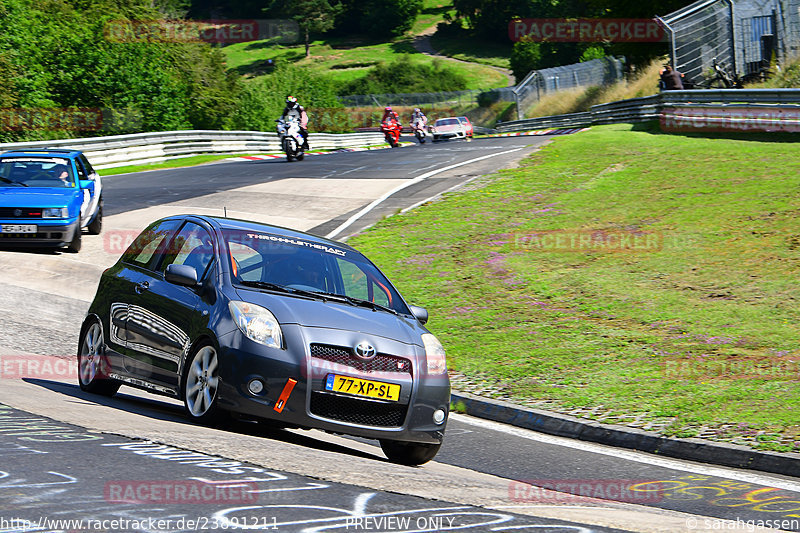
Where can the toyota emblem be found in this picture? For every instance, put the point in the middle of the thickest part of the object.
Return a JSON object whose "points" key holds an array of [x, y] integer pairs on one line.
{"points": [[365, 350], [17, 212]]}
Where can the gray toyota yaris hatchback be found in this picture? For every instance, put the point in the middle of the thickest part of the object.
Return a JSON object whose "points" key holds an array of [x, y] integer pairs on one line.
{"points": [[240, 317]]}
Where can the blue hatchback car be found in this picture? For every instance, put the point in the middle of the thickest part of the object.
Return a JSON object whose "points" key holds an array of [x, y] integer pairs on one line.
{"points": [[47, 197]]}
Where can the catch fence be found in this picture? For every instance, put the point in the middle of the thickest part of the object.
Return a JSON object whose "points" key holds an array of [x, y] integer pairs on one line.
{"points": [[743, 36]]}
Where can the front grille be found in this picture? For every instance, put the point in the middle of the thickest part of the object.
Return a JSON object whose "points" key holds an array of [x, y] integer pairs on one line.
{"points": [[343, 356], [23, 236], [357, 411], [24, 212]]}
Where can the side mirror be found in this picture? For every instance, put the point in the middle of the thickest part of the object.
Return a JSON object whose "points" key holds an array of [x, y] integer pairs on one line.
{"points": [[87, 184], [420, 313], [181, 275]]}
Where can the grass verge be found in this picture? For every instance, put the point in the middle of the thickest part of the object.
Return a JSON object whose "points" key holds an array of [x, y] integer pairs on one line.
{"points": [[175, 163], [683, 322]]}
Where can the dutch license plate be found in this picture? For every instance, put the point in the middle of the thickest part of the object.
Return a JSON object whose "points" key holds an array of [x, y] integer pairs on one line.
{"points": [[362, 387], [18, 228]]}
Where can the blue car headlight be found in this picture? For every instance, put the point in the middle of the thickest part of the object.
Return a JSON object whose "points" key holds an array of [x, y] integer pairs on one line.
{"points": [[55, 212], [257, 323]]}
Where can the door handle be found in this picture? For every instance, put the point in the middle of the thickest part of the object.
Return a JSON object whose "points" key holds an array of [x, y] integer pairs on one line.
{"points": [[141, 287]]}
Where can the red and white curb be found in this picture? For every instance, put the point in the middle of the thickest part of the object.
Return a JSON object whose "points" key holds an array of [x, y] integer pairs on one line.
{"points": [[558, 131]]}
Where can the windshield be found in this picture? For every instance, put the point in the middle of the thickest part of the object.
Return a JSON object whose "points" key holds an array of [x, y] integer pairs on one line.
{"points": [[447, 122], [36, 172], [263, 258]]}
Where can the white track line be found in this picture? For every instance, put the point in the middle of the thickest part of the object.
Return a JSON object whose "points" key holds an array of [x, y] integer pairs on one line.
{"points": [[630, 455], [409, 183]]}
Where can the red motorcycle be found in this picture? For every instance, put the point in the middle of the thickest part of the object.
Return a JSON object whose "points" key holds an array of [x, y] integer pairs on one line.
{"points": [[391, 130]]}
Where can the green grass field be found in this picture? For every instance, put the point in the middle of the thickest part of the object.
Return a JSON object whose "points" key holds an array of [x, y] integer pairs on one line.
{"points": [[469, 49], [341, 60], [684, 322], [432, 13]]}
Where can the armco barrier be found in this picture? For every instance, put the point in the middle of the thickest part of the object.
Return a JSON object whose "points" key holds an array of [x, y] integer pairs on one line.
{"points": [[651, 107], [143, 148]]}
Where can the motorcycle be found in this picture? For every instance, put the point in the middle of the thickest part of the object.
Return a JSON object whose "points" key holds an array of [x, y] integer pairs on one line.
{"points": [[291, 138], [420, 131], [391, 130]]}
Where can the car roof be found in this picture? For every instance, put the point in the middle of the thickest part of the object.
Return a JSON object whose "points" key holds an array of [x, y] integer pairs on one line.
{"points": [[43, 152], [239, 224]]}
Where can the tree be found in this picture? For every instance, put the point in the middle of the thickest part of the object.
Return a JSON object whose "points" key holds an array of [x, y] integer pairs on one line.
{"points": [[388, 18], [316, 16]]}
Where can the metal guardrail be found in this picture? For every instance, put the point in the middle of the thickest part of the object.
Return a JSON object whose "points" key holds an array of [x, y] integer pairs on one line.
{"points": [[650, 107], [144, 148]]}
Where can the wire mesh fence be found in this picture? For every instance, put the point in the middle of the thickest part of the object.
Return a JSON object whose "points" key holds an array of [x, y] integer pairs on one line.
{"points": [[527, 92], [539, 82], [699, 34], [742, 36], [432, 99]]}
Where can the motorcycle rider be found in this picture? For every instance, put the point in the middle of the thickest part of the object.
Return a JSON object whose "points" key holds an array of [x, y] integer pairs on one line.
{"points": [[294, 109], [388, 114], [418, 117]]}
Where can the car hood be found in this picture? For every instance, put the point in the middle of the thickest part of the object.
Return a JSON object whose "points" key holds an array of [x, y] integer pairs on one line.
{"points": [[334, 315], [449, 127], [37, 196]]}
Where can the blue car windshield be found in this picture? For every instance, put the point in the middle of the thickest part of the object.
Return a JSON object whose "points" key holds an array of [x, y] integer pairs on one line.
{"points": [[36, 172], [308, 266]]}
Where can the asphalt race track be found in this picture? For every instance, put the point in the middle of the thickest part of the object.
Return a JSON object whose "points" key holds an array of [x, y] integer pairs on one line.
{"points": [[68, 455]]}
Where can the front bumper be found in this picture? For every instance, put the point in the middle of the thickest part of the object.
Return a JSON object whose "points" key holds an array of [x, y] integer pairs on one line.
{"points": [[309, 405], [449, 135], [55, 233]]}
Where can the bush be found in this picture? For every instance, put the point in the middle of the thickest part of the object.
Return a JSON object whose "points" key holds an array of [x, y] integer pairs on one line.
{"points": [[404, 76], [263, 99]]}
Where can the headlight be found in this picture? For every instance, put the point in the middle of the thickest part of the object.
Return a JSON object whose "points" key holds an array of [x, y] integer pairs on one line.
{"points": [[434, 354], [55, 212], [257, 323]]}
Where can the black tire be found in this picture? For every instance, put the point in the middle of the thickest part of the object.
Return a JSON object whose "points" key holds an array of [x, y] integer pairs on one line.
{"points": [[409, 453], [96, 226], [75, 245], [300, 156], [287, 148], [93, 366], [200, 385]]}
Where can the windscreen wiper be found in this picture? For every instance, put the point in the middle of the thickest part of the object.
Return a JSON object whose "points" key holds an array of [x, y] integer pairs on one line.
{"points": [[361, 303], [280, 288], [6, 180]]}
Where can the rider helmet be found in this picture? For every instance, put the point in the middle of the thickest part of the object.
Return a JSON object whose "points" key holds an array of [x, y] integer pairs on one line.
{"points": [[291, 102], [416, 110]]}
